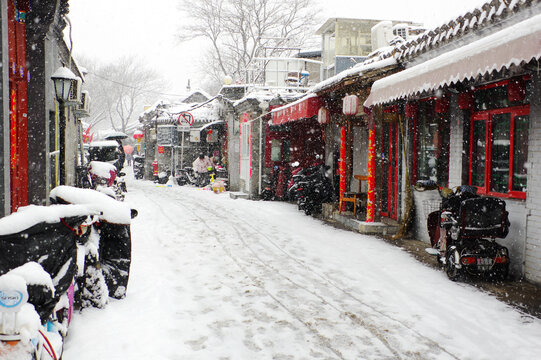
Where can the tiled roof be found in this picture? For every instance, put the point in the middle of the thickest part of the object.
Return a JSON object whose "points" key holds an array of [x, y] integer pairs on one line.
{"points": [[477, 19]]}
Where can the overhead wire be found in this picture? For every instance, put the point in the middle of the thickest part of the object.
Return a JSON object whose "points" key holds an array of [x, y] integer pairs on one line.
{"points": [[133, 87]]}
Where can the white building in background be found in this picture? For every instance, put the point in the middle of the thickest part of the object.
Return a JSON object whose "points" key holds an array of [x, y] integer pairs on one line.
{"points": [[385, 33]]}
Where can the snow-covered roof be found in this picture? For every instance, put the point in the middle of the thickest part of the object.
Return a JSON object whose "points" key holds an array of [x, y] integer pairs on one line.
{"points": [[511, 46], [357, 70], [476, 19], [268, 93], [291, 104]]}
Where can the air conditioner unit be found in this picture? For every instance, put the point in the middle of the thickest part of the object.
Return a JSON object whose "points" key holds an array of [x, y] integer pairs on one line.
{"points": [[75, 92], [82, 109]]}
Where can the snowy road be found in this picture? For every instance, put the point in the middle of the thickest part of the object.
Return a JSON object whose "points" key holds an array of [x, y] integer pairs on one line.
{"points": [[216, 278]]}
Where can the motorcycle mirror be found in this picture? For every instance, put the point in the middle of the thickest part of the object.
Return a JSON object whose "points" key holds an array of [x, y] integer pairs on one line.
{"points": [[134, 213]]}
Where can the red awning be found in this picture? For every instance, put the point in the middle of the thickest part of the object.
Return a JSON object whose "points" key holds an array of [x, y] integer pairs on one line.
{"points": [[303, 108], [511, 46]]}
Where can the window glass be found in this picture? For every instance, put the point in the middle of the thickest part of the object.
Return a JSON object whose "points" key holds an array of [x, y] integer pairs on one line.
{"points": [[276, 150], [491, 98], [286, 150], [432, 145], [520, 153], [478, 153], [500, 149]]}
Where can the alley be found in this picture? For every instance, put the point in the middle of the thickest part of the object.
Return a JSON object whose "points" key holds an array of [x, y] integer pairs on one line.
{"points": [[216, 278]]}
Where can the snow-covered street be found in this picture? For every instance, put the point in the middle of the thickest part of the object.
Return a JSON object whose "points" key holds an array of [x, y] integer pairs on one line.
{"points": [[217, 278]]}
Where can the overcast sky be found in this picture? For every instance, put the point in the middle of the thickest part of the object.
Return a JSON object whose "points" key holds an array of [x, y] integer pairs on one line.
{"points": [[108, 29]]}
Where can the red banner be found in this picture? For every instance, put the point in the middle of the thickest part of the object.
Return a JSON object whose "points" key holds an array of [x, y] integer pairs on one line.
{"points": [[342, 163], [371, 175]]}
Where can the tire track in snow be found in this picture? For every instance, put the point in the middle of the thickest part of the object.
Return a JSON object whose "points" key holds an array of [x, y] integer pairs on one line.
{"points": [[324, 340], [372, 327], [350, 315]]}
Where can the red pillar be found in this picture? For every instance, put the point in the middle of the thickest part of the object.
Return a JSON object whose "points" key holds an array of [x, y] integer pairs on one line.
{"points": [[18, 80]]}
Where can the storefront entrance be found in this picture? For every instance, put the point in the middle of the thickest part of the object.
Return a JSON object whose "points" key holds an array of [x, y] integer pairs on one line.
{"points": [[389, 169]]}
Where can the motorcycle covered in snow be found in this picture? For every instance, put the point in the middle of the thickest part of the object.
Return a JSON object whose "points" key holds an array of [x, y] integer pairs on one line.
{"points": [[105, 178], [463, 232], [37, 278]]}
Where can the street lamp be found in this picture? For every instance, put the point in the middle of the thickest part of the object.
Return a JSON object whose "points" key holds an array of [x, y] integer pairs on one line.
{"points": [[63, 78]]}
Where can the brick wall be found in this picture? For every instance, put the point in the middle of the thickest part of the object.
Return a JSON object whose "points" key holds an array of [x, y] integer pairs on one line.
{"points": [[532, 261]]}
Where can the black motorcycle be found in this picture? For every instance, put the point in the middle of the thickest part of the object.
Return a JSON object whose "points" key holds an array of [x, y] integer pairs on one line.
{"points": [[186, 176], [313, 189], [463, 232]]}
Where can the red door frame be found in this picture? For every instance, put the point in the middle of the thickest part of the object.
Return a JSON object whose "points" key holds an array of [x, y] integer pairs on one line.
{"points": [[18, 82]]}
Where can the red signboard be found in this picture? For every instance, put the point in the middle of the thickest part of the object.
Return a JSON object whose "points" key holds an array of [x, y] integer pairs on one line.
{"points": [[298, 110], [161, 150]]}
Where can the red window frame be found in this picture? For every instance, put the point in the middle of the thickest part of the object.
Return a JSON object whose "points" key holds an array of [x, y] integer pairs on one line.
{"points": [[487, 115]]}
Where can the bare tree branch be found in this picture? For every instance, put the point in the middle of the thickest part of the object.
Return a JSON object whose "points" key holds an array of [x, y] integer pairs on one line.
{"points": [[241, 30]]}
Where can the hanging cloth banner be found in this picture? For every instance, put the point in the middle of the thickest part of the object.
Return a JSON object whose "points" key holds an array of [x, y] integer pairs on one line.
{"points": [[342, 164], [371, 175]]}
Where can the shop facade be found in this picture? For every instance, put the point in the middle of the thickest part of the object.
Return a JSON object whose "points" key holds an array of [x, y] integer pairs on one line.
{"points": [[472, 116]]}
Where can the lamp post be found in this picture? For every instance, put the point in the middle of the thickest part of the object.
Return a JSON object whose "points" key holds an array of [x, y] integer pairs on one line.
{"points": [[63, 79]]}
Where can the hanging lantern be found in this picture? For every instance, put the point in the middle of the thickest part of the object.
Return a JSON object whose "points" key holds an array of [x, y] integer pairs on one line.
{"points": [[350, 105], [323, 116], [138, 135]]}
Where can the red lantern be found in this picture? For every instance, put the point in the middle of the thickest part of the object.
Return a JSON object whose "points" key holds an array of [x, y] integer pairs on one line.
{"points": [[138, 135]]}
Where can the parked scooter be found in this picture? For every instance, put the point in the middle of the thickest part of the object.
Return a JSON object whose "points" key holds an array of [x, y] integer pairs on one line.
{"points": [[297, 175], [105, 178], [186, 176], [314, 189], [35, 310], [463, 232]]}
